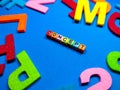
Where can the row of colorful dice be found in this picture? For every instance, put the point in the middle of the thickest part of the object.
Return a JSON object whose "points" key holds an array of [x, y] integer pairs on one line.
{"points": [[66, 41]]}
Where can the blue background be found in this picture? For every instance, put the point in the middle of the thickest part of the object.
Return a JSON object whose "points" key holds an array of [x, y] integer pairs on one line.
{"points": [[59, 65]]}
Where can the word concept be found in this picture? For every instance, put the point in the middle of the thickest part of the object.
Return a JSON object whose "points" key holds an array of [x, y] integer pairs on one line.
{"points": [[66, 41], [34, 4], [100, 9]]}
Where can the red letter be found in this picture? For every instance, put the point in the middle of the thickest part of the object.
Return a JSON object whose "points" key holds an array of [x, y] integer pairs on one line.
{"points": [[8, 48], [2, 66], [111, 23], [72, 5]]}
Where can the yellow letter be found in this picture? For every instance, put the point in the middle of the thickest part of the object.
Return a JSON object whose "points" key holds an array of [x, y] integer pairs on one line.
{"points": [[83, 5]]}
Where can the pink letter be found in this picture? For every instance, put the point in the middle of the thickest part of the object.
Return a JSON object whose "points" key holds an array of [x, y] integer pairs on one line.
{"points": [[38, 5]]}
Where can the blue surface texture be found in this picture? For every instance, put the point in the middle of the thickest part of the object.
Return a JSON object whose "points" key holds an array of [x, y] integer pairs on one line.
{"points": [[59, 65]]}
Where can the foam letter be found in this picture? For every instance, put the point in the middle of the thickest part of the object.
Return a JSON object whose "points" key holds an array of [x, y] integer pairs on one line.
{"points": [[105, 78], [3, 2], [26, 66], [2, 67], [8, 48], [111, 23], [20, 3], [38, 5], [89, 16], [108, 4], [72, 4], [113, 61], [21, 18]]}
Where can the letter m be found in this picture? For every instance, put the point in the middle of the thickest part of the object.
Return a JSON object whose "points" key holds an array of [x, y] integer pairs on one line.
{"points": [[99, 9]]}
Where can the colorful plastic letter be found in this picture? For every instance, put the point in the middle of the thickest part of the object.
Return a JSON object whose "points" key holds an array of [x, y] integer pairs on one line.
{"points": [[108, 4], [8, 48], [72, 4], [49, 33], [81, 47], [76, 45], [20, 3], [59, 37], [71, 42], [89, 16], [65, 40], [3, 2], [21, 18], [2, 67], [26, 66], [105, 78], [111, 23], [38, 5], [54, 35], [112, 61]]}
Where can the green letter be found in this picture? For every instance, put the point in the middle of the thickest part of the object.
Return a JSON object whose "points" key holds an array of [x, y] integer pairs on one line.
{"points": [[26, 66]]}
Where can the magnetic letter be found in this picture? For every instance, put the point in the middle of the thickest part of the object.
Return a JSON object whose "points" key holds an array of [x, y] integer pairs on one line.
{"points": [[8, 48], [21, 18], [105, 78], [111, 23], [89, 16], [38, 5], [3, 2], [72, 4], [2, 67], [112, 61], [20, 3], [26, 66]]}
